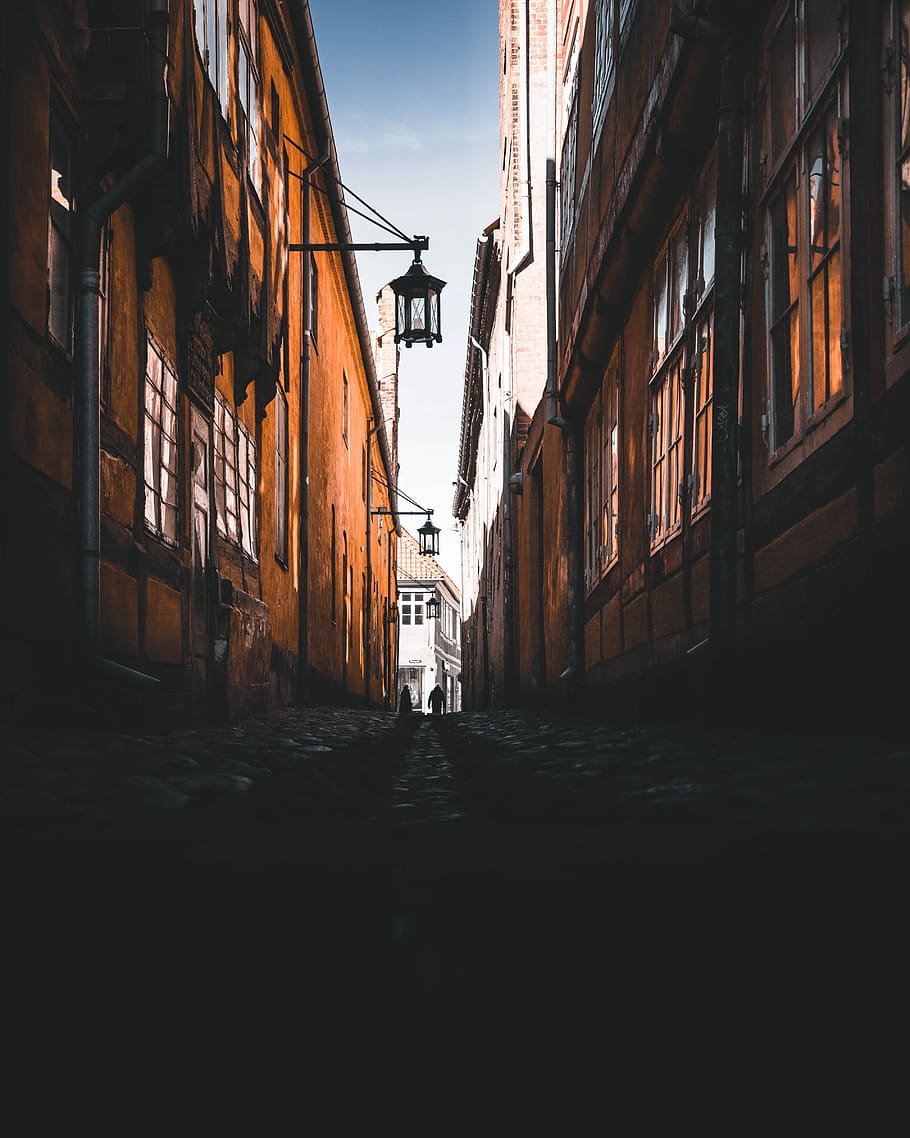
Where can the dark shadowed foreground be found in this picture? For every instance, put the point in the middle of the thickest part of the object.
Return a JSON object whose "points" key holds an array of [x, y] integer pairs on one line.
{"points": [[270, 886]]}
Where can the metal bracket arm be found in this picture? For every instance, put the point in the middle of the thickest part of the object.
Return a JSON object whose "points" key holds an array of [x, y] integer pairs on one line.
{"points": [[419, 244]]}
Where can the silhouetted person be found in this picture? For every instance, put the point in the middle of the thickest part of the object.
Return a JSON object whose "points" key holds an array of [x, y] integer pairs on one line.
{"points": [[405, 707], [438, 701]]}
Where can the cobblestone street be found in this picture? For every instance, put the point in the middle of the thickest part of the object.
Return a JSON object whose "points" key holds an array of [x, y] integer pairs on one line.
{"points": [[331, 855]]}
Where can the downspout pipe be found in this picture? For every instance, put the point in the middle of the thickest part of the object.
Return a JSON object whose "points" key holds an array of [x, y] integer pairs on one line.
{"points": [[553, 416], [303, 543], [87, 362]]}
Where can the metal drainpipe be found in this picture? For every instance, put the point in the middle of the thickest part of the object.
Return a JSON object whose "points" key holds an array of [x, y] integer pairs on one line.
{"points": [[573, 675], [508, 591], [303, 544], [550, 222], [87, 369]]}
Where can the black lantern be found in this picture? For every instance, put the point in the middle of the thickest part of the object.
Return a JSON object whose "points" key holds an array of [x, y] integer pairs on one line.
{"points": [[432, 608], [393, 612], [429, 538], [417, 306]]}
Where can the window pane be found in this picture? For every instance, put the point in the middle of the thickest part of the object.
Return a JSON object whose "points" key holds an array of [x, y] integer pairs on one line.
{"points": [[819, 340], [708, 226], [680, 278], [243, 84], [785, 376], [151, 456], [211, 37], [784, 261], [783, 85], [660, 310], [58, 276], [822, 36], [835, 322], [823, 163]]}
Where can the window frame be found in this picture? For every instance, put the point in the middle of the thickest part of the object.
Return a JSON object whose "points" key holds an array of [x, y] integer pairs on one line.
{"points": [[212, 18], [227, 505], [60, 232], [249, 91], [236, 480], [247, 491], [602, 456], [666, 384], [789, 165], [701, 361], [159, 502], [568, 161]]}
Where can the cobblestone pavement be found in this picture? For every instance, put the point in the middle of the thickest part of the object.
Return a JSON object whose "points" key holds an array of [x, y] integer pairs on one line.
{"points": [[332, 855], [631, 782]]}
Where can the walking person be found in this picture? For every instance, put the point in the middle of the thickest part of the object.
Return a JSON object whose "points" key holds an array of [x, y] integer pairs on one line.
{"points": [[405, 707], [437, 701]]}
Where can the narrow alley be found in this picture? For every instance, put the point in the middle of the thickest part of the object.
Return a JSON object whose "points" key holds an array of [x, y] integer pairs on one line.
{"points": [[350, 858]]}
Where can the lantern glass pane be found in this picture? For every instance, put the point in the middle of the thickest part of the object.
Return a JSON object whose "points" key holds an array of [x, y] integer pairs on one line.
{"points": [[434, 313], [418, 313], [401, 312]]}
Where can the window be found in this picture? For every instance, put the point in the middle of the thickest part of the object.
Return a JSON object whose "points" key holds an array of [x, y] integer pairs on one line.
{"points": [[246, 489], [411, 608], [281, 480], [212, 40], [160, 445], [235, 480], [803, 259], [604, 59], [569, 150], [897, 286], [666, 418], [60, 231], [602, 477], [227, 518], [702, 365], [345, 406], [248, 89]]}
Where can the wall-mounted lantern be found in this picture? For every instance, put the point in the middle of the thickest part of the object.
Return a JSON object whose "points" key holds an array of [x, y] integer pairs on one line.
{"points": [[417, 306], [393, 612], [432, 608], [428, 535]]}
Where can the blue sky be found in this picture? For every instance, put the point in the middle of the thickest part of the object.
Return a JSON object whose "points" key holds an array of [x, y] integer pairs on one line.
{"points": [[413, 92]]}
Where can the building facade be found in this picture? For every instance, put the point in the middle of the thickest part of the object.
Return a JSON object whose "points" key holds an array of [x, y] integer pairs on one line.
{"points": [[179, 380], [506, 364], [429, 642], [714, 493]]}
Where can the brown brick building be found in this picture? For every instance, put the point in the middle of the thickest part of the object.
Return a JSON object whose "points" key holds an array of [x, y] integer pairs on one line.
{"points": [[718, 469], [189, 439]]}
